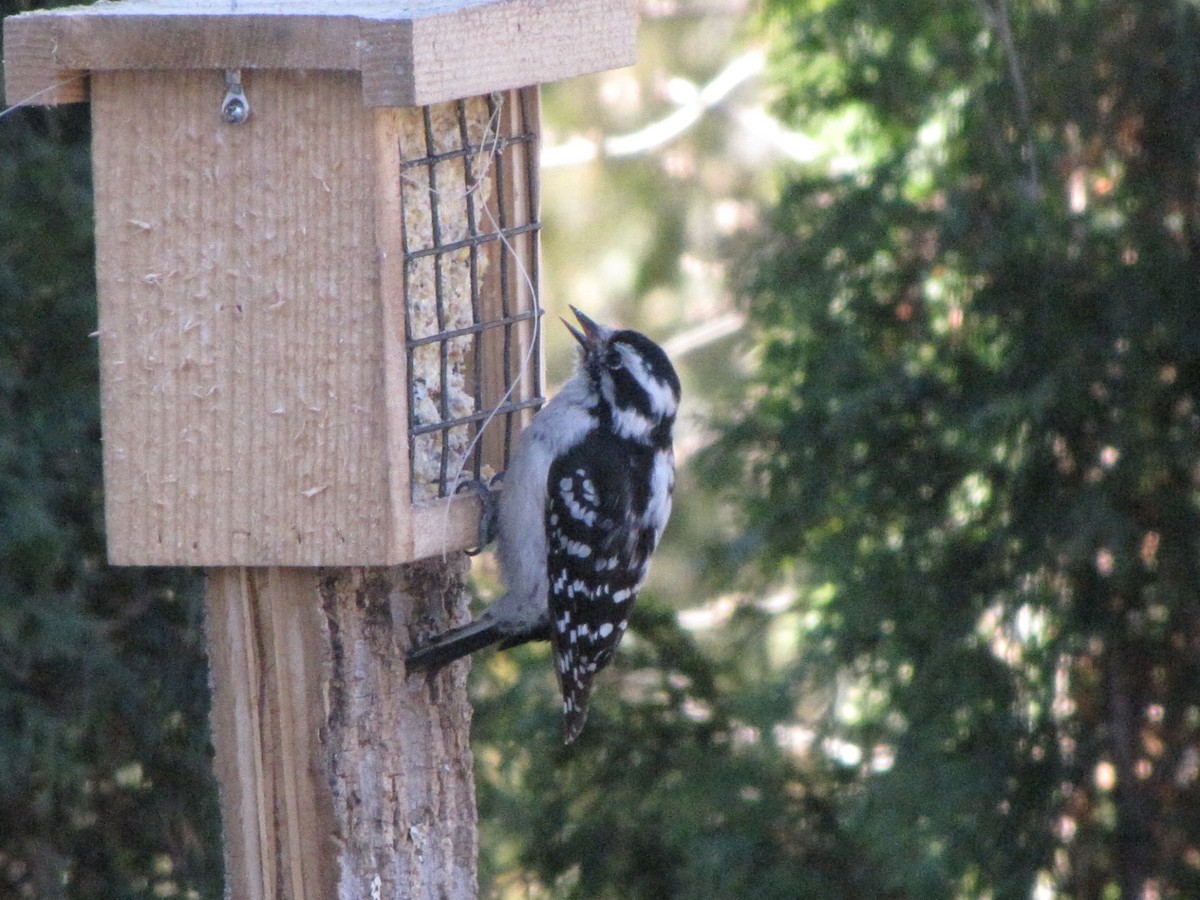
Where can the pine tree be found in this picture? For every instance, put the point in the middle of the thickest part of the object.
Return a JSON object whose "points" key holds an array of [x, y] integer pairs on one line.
{"points": [[976, 422]]}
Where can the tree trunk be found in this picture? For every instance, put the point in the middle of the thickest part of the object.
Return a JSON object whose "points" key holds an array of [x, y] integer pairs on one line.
{"points": [[1134, 846], [338, 777]]}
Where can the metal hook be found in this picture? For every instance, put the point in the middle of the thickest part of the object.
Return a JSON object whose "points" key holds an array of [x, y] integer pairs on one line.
{"points": [[235, 108]]}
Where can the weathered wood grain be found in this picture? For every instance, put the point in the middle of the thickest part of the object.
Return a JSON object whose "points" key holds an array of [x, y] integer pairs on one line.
{"points": [[409, 53], [338, 777]]}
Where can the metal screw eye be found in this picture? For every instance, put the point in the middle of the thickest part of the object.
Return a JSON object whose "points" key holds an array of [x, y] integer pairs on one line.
{"points": [[235, 108]]}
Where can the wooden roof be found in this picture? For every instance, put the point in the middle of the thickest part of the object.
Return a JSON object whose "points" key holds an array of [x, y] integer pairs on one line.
{"points": [[409, 52]]}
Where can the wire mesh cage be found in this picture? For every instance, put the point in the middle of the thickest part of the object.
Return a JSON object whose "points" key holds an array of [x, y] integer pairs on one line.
{"points": [[469, 233]]}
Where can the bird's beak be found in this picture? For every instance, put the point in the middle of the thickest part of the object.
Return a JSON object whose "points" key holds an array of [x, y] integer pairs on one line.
{"points": [[592, 333]]}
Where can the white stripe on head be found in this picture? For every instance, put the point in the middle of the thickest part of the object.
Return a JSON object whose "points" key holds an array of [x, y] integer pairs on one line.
{"points": [[662, 398]]}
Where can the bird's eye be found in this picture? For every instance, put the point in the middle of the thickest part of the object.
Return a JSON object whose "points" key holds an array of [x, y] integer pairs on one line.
{"points": [[614, 360]]}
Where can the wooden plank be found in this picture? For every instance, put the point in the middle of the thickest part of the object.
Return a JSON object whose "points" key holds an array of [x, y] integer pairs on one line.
{"points": [[503, 45], [389, 240], [417, 53], [338, 777], [241, 341], [268, 664], [444, 526], [168, 40], [31, 75]]}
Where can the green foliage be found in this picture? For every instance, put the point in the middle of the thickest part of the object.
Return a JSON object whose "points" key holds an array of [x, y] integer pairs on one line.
{"points": [[105, 784], [672, 791], [953, 651], [975, 419]]}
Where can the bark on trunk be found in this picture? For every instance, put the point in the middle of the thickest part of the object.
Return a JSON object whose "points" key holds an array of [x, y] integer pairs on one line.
{"points": [[338, 777]]}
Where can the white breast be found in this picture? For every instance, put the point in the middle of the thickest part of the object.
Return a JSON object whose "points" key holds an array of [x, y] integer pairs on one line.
{"points": [[662, 480], [523, 548]]}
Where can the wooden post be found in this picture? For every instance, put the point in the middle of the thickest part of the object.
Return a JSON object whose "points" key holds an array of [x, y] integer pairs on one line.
{"points": [[302, 313], [338, 777]]}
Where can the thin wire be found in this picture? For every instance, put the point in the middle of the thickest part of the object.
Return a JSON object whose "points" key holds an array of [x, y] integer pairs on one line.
{"points": [[28, 101], [505, 292]]}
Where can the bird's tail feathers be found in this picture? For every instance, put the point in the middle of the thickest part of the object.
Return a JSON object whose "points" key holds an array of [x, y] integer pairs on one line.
{"points": [[452, 645], [575, 710]]}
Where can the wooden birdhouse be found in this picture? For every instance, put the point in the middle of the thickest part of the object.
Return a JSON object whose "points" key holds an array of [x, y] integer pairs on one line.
{"points": [[317, 259], [317, 270]]}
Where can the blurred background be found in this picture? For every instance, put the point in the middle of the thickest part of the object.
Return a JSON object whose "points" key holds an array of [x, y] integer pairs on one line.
{"points": [[926, 621]]}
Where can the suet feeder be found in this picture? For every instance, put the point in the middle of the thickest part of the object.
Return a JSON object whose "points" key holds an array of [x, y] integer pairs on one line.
{"points": [[317, 260], [317, 271]]}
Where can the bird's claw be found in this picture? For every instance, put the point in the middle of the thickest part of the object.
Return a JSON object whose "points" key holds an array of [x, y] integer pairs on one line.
{"points": [[489, 517]]}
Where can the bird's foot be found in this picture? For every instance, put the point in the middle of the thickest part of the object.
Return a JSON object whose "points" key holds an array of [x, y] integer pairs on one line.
{"points": [[490, 515]]}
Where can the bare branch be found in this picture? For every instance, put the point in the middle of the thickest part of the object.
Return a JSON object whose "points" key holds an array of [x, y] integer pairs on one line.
{"points": [[579, 149]]}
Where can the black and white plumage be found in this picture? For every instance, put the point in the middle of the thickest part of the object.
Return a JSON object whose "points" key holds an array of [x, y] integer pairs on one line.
{"points": [[585, 500]]}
